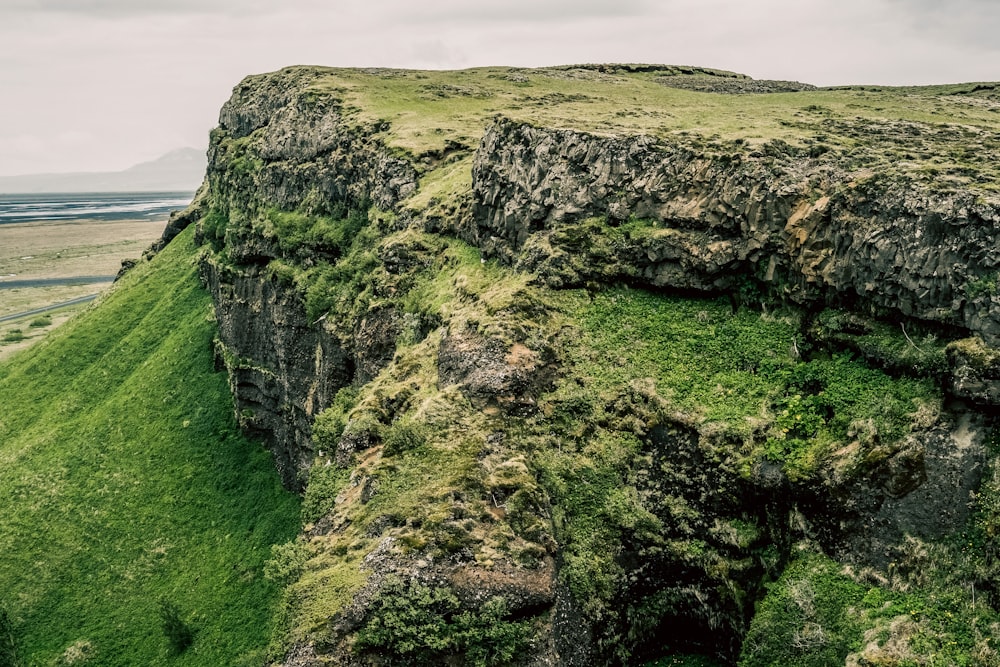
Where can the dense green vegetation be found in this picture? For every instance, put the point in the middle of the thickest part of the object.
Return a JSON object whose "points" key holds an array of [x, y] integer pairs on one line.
{"points": [[126, 483], [417, 624], [645, 359], [925, 613], [736, 367], [760, 386], [424, 482]]}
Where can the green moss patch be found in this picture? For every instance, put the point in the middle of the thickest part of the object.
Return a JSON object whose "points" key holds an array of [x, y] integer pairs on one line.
{"points": [[820, 612]]}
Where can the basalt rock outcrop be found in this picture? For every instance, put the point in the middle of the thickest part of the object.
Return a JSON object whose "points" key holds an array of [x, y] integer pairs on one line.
{"points": [[282, 370], [801, 225], [277, 148], [345, 388]]}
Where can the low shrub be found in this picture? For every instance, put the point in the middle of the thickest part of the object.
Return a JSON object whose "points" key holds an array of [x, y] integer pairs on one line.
{"points": [[417, 624], [179, 634]]}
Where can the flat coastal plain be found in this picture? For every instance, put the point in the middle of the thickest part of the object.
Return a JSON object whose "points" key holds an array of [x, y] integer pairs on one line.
{"points": [[69, 259]]}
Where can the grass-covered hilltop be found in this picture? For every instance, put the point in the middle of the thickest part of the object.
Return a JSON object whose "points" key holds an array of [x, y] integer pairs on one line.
{"points": [[589, 365]]}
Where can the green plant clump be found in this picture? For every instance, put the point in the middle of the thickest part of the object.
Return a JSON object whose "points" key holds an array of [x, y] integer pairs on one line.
{"points": [[983, 286], [423, 625], [805, 619], [821, 613], [304, 234], [213, 227]]}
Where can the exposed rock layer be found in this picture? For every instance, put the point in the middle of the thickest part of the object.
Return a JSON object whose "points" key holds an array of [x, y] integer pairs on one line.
{"points": [[798, 224]]}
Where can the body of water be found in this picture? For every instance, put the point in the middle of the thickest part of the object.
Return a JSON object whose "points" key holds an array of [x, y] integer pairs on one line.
{"points": [[99, 206]]}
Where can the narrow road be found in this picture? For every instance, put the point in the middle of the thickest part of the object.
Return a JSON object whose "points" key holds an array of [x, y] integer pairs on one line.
{"points": [[39, 311], [46, 282]]}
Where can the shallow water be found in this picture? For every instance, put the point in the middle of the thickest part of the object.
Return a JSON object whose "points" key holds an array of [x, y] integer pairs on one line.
{"points": [[100, 206]]}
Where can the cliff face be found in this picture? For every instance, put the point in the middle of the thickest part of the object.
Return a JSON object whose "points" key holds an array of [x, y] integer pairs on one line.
{"points": [[282, 370], [482, 467], [802, 225], [278, 150]]}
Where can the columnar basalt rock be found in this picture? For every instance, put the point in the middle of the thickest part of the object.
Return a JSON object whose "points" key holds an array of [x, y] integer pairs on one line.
{"points": [[279, 147], [282, 369], [801, 225]]}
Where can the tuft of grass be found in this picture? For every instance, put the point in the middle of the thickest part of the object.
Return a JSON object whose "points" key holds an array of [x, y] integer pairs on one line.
{"points": [[442, 189], [126, 480]]}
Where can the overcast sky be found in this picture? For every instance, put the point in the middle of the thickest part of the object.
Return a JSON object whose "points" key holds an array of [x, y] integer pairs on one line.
{"points": [[92, 85]]}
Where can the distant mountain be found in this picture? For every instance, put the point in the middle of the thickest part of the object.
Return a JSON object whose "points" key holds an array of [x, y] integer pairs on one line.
{"points": [[178, 170]]}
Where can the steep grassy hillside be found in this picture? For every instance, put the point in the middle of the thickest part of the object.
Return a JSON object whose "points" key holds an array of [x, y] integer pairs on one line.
{"points": [[124, 483]]}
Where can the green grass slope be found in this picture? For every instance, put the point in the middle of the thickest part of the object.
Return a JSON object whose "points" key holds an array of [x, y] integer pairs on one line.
{"points": [[124, 482]]}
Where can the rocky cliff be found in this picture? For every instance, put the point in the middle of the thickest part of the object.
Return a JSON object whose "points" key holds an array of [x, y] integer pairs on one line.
{"points": [[805, 226], [562, 387]]}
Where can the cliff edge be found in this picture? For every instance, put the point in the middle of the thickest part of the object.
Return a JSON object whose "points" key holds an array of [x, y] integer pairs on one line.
{"points": [[608, 364]]}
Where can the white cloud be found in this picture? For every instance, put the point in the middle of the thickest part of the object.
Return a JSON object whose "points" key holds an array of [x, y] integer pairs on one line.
{"points": [[118, 8], [521, 11], [141, 78], [962, 24]]}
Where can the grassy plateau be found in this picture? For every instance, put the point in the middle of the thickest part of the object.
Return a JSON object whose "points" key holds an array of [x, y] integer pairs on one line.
{"points": [[948, 132]]}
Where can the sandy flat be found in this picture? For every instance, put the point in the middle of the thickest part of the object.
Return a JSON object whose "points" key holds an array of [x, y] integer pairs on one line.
{"points": [[62, 249], [65, 248]]}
